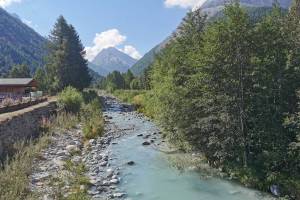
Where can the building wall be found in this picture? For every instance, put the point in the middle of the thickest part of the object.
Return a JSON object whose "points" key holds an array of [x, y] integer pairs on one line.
{"points": [[12, 89], [22, 126]]}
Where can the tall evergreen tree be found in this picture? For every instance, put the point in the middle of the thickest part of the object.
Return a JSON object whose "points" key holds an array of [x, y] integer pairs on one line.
{"points": [[66, 65], [128, 77], [42, 79]]}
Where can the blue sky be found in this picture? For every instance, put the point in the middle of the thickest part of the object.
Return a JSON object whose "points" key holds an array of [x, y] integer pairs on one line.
{"points": [[133, 26]]}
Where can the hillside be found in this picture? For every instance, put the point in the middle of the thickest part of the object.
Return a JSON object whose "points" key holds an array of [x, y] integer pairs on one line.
{"points": [[255, 8], [111, 59], [213, 6], [147, 59], [19, 44]]}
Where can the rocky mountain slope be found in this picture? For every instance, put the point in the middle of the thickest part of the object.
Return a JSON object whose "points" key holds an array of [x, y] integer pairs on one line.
{"points": [[213, 6], [111, 59], [19, 43]]}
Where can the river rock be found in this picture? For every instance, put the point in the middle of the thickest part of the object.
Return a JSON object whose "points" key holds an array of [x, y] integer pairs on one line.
{"points": [[146, 143], [119, 195], [146, 136], [106, 183], [114, 181], [72, 148], [92, 141], [60, 153], [130, 163], [103, 164]]}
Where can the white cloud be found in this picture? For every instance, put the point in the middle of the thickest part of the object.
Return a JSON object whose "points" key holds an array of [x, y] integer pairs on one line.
{"points": [[184, 3], [109, 38], [131, 51], [5, 3]]}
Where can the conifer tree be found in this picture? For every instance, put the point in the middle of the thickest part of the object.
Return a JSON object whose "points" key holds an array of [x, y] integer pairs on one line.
{"points": [[66, 65]]}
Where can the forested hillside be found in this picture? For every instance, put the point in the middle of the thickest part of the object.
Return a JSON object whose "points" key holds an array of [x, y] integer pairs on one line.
{"points": [[230, 89], [256, 13], [19, 44], [144, 63]]}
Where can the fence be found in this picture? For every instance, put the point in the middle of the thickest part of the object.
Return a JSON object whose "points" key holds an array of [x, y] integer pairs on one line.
{"points": [[11, 103]]}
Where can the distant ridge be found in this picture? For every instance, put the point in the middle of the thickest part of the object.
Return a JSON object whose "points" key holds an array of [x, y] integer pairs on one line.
{"points": [[111, 59]]}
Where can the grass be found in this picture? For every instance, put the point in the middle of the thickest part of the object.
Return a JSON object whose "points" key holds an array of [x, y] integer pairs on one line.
{"points": [[77, 181], [14, 177], [14, 180], [92, 119], [127, 95], [65, 121], [141, 99]]}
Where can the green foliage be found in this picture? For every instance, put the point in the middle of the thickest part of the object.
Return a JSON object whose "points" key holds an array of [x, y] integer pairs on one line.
{"points": [[93, 128], [19, 71], [70, 99], [66, 65], [228, 88], [89, 95], [66, 121], [116, 81], [92, 119], [14, 176], [42, 80]]}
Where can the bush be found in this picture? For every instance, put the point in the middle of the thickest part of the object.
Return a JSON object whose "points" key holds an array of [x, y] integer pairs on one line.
{"points": [[70, 100], [89, 96], [91, 109], [93, 127], [65, 121], [93, 122]]}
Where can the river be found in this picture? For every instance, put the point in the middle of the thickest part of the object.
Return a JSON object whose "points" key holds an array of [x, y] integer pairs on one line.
{"points": [[153, 175]]}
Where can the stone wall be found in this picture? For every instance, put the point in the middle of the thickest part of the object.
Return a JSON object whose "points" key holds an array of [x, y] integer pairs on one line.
{"points": [[22, 125]]}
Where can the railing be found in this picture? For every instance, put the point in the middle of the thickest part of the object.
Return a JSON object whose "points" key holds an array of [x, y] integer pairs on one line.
{"points": [[11, 103]]}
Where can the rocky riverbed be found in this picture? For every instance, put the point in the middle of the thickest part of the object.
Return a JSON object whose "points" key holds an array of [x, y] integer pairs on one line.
{"points": [[50, 171], [130, 161]]}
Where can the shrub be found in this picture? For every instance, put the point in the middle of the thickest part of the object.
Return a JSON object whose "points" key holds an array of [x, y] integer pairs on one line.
{"points": [[93, 122], [65, 121], [93, 127], [89, 96], [70, 100]]}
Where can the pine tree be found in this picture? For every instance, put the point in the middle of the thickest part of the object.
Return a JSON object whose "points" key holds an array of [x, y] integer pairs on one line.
{"points": [[41, 78], [128, 77], [66, 65]]}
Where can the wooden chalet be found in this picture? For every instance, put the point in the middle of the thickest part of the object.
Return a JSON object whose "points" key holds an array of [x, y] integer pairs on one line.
{"points": [[17, 86]]}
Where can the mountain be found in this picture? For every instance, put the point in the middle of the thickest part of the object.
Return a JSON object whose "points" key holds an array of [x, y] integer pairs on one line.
{"points": [[214, 8], [19, 43], [148, 58], [111, 59], [211, 7], [95, 76], [145, 61], [97, 69]]}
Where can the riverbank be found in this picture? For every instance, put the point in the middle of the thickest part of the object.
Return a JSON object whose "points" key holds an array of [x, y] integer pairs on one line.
{"points": [[131, 160], [247, 176]]}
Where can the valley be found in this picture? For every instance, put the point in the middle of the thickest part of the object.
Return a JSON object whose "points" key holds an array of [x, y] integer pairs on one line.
{"points": [[210, 111], [118, 165]]}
